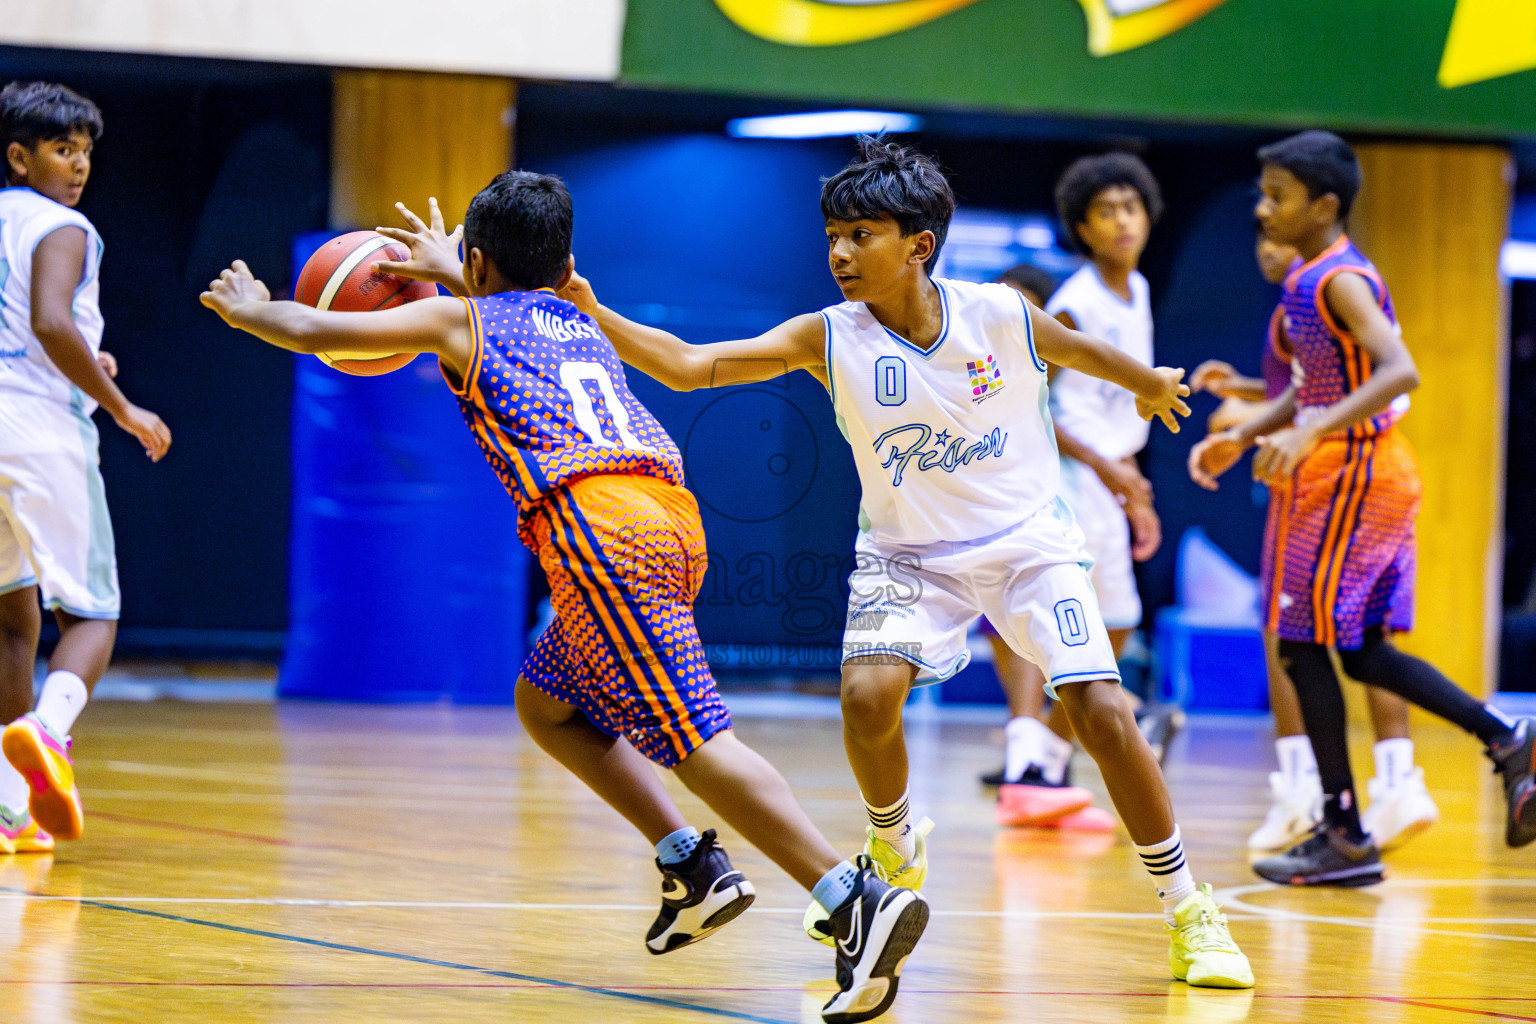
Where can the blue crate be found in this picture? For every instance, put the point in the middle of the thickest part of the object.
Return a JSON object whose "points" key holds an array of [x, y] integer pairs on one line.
{"points": [[1208, 665]]}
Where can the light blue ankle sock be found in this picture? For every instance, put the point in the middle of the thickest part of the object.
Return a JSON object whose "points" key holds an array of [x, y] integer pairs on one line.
{"points": [[835, 886], [676, 847]]}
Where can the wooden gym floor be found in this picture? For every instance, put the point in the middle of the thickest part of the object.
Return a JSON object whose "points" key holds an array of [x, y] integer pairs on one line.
{"points": [[294, 863]]}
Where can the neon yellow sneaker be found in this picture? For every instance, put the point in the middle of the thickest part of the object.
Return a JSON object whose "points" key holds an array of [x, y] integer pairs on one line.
{"points": [[1201, 951], [888, 865]]}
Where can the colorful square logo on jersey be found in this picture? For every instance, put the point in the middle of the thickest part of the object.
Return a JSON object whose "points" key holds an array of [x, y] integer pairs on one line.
{"points": [[986, 378]]}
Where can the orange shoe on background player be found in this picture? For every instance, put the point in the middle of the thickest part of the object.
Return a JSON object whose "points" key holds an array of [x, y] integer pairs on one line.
{"points": [[43, 759]]}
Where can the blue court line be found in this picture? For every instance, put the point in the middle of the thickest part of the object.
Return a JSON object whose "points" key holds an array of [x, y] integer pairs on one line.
{"points": [[633, 997]]}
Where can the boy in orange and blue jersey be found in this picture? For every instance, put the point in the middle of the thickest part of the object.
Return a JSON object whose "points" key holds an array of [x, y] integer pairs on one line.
{"points": [[1400, 806], [619, 680], [1349, 485]]}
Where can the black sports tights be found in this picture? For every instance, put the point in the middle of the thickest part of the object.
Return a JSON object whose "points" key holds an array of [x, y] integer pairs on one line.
{"points": [[1376, 663]]}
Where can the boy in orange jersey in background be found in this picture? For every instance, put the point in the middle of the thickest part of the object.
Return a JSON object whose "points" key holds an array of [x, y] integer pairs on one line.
{"points": [[1344, 556], [619, 680], [1400, 806]]}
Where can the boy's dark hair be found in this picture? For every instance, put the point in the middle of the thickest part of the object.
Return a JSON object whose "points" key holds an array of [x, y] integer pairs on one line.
{"points": [[33, 112], [1031, 278], [522, 222], [1090, 175], [889, 180], [1321, 161]]}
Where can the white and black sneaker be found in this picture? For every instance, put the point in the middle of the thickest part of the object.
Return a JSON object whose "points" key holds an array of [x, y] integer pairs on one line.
{"points": [[1160, 723], [698, 896], [875, 928]]}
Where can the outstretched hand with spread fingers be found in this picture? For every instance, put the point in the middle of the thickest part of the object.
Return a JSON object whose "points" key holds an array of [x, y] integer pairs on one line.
{"points": [[434, 252]]}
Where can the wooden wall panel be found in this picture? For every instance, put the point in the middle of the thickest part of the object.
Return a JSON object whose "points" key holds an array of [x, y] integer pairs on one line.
{"points": [[1432, 217], [401, 136]]}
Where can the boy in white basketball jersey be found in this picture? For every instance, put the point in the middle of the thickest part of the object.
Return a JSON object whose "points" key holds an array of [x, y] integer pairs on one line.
{"points": [[940, 387], [55, 535]]}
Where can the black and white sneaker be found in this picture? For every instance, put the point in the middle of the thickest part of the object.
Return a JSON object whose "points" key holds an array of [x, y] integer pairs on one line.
{"points": [[875, 929], [1515, 759], [993, 778], [698, 897], [1160, 723], [1326, 857], [1033, 776]]}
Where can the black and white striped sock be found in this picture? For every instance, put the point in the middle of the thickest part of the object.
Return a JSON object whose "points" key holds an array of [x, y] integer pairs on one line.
{"points": [[1170, 871], [893, 824]]}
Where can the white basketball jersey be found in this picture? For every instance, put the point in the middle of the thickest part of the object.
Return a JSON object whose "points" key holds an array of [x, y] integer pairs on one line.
{"points": [[953, 443], [1100, 414], [26, 218]]}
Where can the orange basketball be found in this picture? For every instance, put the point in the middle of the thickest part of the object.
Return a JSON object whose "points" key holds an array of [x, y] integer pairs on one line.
{"points": [[339, 276]]}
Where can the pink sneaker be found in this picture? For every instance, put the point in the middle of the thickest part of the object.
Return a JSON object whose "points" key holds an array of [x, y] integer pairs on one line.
{"points": [[20, 834], [1089, 819], [43, 760], [1034, 805]]}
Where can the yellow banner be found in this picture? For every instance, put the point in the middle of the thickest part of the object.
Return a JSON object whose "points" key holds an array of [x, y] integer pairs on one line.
{"points": [[1113, 25], [1489, 39]]}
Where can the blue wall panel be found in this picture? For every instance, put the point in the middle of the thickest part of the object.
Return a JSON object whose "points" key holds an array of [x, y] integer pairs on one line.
{"points": [[406, 578]]}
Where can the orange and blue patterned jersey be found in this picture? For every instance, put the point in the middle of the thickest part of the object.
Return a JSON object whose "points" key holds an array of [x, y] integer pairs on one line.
{"points": [[1331, 362], [1275, 363], [546, 399]]}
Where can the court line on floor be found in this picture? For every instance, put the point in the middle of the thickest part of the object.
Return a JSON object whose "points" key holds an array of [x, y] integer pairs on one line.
{"points": [[291, 844], [604, 908], [1231, 897], [596, 990], [1418, 1001]]}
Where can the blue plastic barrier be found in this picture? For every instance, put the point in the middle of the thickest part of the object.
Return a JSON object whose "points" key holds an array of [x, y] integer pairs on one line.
{"points": [[407, 582], [1210, 666]]}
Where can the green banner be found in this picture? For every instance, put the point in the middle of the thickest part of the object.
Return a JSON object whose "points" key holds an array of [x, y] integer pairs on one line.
{"points": [[1460, 67]]}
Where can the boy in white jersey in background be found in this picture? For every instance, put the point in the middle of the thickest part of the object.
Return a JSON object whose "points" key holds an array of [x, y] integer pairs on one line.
{"points": [[55, 535], [940, 388], [1107, 205]]}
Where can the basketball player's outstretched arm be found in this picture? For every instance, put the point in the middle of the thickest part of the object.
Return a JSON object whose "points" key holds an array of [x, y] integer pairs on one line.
{"points": [[1122, 476], [1352, 304], [1157, 389], [57, 267], [437, 325], [1216, 453], [798, 344]]}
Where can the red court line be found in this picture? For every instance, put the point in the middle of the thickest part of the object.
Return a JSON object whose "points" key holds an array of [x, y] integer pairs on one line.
{"points": [[1463, 1009], [1422, 1002], [251, 837]]}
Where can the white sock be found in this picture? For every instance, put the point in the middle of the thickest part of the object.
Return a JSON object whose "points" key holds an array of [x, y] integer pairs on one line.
{"points": [[1025, 745], [1055, 758], [894, 825], [1170, 871], [63, 698], [13, 787], [1394, 762], [1296, 761]]}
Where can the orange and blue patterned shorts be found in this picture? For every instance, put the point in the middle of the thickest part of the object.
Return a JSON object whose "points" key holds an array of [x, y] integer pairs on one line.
{"points": [[1339, 554], [625, 559]]}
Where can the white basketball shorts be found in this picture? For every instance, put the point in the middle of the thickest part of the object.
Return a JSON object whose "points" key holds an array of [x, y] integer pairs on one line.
{"points": [[1030, 581], [54, 529], [1108, 536]]}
